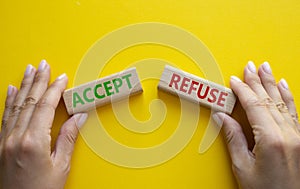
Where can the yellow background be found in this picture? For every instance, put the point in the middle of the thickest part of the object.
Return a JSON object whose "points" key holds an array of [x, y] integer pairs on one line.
{"points": [[234, 31]]}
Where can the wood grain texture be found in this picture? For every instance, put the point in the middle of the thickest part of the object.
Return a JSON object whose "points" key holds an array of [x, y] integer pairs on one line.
{"points": [[102, 91], [197, 90]]}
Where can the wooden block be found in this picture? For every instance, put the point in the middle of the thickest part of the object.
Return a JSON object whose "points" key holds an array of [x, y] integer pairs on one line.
{"points": [[197, 89], [102, 91]]}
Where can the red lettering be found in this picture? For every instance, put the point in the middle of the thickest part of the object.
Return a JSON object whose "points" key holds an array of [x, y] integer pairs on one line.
{"points": [[213, 95], [175, 79], [221, 99], [205, 93], [184, 84], [192, 88]]}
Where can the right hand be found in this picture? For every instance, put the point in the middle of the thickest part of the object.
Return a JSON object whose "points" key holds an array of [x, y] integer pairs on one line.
{"points": [[274, 163]]}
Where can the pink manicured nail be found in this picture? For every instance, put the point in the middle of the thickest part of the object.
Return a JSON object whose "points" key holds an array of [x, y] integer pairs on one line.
{"points": [[284, 84], [61, 76], [267, 68], [29, 69], [42, 66], [10, 90], [80, 119], [236, 78], [251, 66]]}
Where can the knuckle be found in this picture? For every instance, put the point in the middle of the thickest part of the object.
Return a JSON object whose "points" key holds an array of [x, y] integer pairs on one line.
{"points": [[16, 109], [236, 168], [30, 100], [240, 167], [70, 137], [253, 81], [255, 102], [69, 134], [269, 81], [229, 135], [57, 89], [277, 144], [10, 146], [8, 104], [64, 166], [40, 78], [293, 142], [26, 84], [43, 103], [241, 87], [28, 145]]}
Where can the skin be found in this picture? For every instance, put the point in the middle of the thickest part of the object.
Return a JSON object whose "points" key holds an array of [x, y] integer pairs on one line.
{"points": [[26, 159], [27, 162], [275, 160]]}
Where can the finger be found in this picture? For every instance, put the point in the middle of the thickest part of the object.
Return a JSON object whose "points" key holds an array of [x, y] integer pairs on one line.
{"points": [[254, 82], [256, 110], [288, 99], [38, 88], [268, 82], [43, 114], [19, 99], [66, 140], [11, 95], [271, 88], [235, 139]]}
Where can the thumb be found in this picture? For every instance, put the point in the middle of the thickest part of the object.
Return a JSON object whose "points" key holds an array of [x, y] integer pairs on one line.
{"points": [[66, 140], [235, 139]]}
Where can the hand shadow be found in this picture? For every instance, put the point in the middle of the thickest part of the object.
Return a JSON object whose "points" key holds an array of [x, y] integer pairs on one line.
{"points": [[240, 116]]}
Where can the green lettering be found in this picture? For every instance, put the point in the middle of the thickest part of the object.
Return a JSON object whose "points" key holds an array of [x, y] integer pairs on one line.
{"points": [[117, 83], [77, 99], [126, 77], [85, 95], [96, 91], [107, 88]]}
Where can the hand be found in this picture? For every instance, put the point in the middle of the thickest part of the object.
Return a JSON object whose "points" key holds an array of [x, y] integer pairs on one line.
{"points": [[26, 160], [275, 160]]}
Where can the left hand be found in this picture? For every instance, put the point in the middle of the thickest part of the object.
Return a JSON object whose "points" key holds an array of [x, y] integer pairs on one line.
{"points": [[26, 160]]}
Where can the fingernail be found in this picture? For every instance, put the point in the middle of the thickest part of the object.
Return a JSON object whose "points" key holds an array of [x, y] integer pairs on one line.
{"points": [[61, 76], [28, 70], [251, 66], [42, 65], [267, 68], [284, 83], [236, 78], [217, 118], [80, 119], [10, 90]]}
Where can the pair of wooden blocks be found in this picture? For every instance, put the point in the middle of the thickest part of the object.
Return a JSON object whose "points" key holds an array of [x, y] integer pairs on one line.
{"points": [[123, 84]]}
